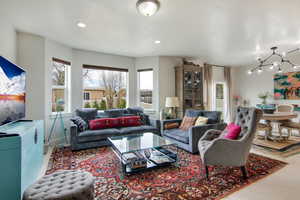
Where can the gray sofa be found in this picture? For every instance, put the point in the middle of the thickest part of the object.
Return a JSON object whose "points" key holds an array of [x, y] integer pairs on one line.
{"points": [[97, 138], [188, 140]]}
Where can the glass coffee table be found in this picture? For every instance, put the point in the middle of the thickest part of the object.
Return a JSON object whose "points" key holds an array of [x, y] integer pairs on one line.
{"points": [[145, 151]]}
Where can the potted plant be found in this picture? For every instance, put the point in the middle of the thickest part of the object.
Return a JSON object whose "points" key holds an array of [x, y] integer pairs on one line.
{"points": [[264, 96], [267, 108]]}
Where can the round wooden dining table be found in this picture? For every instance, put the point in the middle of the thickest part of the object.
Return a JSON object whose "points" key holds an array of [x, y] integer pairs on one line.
{"points": [[276, 119]]}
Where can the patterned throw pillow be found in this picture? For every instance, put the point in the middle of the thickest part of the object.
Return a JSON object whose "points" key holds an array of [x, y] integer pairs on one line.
{"points": [[187, 122], [81, 124], [201, 121]]}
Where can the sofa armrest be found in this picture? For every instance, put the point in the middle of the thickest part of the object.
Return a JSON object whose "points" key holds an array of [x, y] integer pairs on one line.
{"points": [[168, 121], [211, 134], [73, 130], [196, 132], [155, 123]]}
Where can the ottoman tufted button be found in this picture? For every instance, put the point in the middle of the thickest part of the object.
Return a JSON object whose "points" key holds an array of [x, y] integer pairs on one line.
{"points": [[62, 185]]}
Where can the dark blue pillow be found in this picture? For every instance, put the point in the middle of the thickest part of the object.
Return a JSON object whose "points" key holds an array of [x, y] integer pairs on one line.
{"points": [[81, 124], [213, 116], [87, 114], [115, 112]]}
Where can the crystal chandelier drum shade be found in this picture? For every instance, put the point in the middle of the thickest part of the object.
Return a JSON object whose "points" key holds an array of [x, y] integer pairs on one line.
{"points": [[148, 7]]}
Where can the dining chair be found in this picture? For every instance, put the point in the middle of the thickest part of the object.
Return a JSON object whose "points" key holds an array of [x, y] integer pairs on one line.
{"points": [[289, 125], [285, 108], [263, 127]]}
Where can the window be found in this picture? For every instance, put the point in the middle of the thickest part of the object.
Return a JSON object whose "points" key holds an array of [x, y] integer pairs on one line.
{"points": [[86, 96], [60, 85], [145, 88], [219, 103], [104, 87]]}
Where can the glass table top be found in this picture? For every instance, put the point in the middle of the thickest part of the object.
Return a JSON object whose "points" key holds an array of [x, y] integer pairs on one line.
{"points": [[129, 143]]}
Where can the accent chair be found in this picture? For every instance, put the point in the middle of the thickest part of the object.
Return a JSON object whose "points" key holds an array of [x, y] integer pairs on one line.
{"points": [[216, 150]]}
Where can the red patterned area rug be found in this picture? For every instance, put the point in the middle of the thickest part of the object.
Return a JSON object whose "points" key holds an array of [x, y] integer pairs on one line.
{"points": [[185, 181]]}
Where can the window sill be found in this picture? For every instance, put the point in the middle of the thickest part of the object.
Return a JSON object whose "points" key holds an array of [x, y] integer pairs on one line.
{"points": [[149, 111], [64, 114]]}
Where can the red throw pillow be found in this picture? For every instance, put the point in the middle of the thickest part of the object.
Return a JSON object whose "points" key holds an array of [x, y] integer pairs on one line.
{"points": [[130, 121], [98, 124], [233, 131], [113, 122]]}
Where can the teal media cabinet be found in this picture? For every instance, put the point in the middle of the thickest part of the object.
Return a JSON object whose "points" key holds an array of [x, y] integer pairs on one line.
{"points": [[21, 156]]}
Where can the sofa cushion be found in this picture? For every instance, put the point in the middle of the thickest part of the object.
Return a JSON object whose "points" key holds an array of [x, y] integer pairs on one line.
{"points": [[177, 134], [87, 114], [135, 110], [201, 121], [171, 125], [130, 121], [115, 112], [114, 122], [213, 116], [187, 123], [233, 131], [80, 123], [94, 135], [137, 129], [97, 124], [193, 113]]}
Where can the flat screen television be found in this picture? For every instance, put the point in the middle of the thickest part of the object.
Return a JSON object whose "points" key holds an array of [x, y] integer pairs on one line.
{"points": [[12, 92]]}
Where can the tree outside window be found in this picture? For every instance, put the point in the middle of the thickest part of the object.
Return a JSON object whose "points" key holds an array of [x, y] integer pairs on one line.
{"points": [[145, 90], [60, 89], [107, 89]]}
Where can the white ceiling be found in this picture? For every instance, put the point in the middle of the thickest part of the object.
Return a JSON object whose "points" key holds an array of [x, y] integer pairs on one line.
{"points": [[225, 32]]}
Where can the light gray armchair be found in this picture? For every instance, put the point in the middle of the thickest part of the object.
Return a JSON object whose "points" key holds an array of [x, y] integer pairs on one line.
{"points": [[216, 150]]}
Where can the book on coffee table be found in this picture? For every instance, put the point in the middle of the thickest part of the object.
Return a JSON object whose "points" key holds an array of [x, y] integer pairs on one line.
{"points": [[159, 158]]}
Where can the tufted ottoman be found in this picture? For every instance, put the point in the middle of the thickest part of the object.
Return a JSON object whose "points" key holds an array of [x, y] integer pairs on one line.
{"points": [[62, 185]]}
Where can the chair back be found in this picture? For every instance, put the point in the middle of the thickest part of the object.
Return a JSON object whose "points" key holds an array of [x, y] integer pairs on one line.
{"points": [[248, 119], [285, 108]]}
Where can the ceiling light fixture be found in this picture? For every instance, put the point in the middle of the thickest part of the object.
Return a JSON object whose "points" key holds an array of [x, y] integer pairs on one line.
{"points": [[147, 7], [81, 24], [277, 64], [157, 42]]}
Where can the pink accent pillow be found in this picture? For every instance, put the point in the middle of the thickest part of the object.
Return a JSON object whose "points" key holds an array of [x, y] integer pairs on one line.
{"points": [[233, 131]]}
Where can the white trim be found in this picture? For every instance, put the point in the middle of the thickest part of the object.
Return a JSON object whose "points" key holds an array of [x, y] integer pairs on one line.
{"points": [[66, 87], [64, 114], [138, 90], [214, 106]]}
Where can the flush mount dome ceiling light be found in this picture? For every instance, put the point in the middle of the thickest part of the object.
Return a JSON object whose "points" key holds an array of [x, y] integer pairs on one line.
{"points": [[147, 7]]}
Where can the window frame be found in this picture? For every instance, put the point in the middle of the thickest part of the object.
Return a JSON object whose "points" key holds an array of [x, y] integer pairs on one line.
{"points": [[66, 87], [215, 96], [138, 88], [105, 68], [86, 94]]}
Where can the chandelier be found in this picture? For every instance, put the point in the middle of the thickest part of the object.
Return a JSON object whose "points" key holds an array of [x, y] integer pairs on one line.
{"points": [[147, 7], [276, 65]]}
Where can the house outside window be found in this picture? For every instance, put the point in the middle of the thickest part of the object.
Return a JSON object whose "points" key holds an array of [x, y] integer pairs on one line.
{"points": [[60, 85], [104, 87], [145, 88], [86, 96]]}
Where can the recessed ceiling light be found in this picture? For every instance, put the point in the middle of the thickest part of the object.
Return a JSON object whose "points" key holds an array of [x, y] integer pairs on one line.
{"points": [[81, 24], [157, 42]]}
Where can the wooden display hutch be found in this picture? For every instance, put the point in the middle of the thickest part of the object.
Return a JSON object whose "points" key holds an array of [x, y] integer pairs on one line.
{"points": [[189, 87]]}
